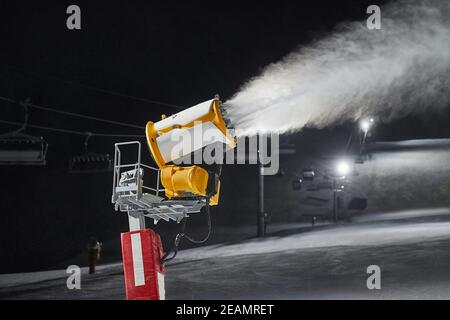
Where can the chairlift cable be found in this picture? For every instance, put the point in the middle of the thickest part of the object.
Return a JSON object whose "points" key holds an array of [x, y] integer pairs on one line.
{"points": [[115, 93], [73, 114], [67, 131]]}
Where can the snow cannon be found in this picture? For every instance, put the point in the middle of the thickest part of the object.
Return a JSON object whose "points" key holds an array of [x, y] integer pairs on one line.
{"points": [[180, 187], [186, 188], [181, 135]]}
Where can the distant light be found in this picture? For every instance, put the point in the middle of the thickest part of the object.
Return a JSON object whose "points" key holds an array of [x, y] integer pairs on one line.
{"points": [[342, 168], [365, 124]]}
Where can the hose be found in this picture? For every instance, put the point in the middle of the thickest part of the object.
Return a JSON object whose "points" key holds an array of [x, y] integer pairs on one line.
{"points": [[208, 217], [182, 234]]}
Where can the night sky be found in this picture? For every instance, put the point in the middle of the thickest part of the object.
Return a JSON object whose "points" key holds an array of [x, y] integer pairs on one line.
{"points": [[176, 52]]}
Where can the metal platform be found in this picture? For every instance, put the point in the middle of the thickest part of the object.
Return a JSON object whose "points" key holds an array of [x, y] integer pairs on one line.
{"points": [[130, 195]]}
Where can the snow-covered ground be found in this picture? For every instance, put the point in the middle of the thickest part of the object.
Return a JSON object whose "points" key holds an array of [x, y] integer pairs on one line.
{"points": [[412, 249]]}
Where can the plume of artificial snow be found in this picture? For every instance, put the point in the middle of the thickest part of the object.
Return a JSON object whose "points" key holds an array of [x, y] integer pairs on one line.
{"points": [[403, 68]]}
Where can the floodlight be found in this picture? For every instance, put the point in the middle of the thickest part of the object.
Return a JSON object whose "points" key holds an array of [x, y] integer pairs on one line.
{"points": [[342, 168], [365, 125]]}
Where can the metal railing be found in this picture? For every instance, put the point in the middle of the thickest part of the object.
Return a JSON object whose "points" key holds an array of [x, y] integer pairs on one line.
{"points": [[138, 167], [128, 187]]}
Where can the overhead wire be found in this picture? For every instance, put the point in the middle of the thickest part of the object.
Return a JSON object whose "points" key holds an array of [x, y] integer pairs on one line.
{"points": [[72, 114], [111, 92], [68, 131]]}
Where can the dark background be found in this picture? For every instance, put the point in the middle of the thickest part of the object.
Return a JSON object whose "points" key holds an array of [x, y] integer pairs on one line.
{"points": [[177, 52]]}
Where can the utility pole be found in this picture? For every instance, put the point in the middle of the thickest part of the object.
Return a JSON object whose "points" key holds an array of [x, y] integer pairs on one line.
{"points": [[335, 201], [261, 215]]}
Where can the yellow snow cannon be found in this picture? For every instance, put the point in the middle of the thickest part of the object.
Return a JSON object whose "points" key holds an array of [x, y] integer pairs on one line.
{"points": [[178, 137]]}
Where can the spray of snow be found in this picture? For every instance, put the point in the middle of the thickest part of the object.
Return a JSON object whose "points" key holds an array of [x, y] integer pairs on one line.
{"points": [[354, 72]]}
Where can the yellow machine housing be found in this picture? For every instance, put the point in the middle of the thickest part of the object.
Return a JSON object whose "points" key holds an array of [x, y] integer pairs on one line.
{"points": [[186, 181]]}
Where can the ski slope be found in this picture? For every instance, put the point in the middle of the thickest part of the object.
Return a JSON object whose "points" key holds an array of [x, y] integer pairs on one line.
{"points": [[324, 262]]}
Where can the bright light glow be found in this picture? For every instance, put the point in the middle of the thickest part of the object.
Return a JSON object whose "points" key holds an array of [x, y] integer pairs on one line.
{"points": [[342, 168], [365, 125]]}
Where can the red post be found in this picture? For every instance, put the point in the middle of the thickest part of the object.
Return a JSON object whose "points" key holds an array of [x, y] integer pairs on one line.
{"points": [[144, 274]]}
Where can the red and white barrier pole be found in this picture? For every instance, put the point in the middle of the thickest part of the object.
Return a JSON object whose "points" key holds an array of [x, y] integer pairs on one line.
{"points": [[144, 274]]}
